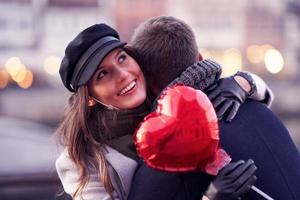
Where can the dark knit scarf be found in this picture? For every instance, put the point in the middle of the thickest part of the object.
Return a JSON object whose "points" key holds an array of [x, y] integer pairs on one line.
{"points": [[200, 75], [116, 127], [118, 133]]}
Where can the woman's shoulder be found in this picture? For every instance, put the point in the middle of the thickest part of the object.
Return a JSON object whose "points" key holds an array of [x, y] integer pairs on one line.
{"points": [[69, 175], [66, 168], [63, 158], [119, 166], [64, 161], [67, 172]]}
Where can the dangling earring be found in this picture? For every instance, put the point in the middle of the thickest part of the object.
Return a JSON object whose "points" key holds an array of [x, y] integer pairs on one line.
{"points": [[91, 102], [109, 107]]}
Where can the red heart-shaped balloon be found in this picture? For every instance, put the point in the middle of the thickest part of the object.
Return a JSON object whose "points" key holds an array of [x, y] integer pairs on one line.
{"points": [[182, 134]]}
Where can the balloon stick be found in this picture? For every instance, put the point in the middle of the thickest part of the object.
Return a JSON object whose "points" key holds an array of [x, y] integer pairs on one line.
{"points": [[261, 193]]}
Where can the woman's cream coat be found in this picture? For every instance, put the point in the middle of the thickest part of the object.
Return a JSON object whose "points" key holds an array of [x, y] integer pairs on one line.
{"points": [[121, 170]]}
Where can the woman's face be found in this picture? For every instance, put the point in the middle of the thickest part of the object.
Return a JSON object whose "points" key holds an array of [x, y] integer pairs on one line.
{"points": [[118, 81]]}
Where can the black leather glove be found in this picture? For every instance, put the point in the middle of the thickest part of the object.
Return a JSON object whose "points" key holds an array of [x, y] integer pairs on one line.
{"points": [[233, 180], [226, 96]]}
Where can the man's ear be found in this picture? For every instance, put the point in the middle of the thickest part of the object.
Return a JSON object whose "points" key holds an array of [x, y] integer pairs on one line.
{"points": [[91, 102], [200, 56]]}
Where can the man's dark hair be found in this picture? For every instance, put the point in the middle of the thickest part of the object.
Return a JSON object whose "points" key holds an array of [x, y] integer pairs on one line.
{"points": [[165, 47]]}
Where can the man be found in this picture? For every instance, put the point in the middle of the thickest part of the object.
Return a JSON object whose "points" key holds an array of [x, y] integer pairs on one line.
{"points": [[165, 47]]}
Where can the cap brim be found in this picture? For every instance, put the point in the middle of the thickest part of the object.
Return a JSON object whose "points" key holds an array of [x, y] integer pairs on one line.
{"points": [[94, 62]]}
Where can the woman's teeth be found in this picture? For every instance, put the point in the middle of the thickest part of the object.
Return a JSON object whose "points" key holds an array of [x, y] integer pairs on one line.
{"points": [[129, 87]]}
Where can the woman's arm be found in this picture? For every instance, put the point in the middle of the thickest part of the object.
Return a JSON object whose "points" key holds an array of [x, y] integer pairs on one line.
{"points": [[69, 176], [230, 92]]}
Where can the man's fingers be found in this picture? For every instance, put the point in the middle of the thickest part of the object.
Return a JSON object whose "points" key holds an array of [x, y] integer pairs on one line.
{"points": [[212, 95], [225, 107], [244, 177], [218, 101], [234, 109], [230, 167], [243, 169], [211, 87], [247, 185]]}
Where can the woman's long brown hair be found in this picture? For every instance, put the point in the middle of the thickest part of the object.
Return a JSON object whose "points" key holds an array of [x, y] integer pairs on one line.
{"points": [[83, 148]]}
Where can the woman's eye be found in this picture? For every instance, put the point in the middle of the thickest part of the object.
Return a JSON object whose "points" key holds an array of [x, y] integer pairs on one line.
{"points": [[101, 74], [121, 58]]}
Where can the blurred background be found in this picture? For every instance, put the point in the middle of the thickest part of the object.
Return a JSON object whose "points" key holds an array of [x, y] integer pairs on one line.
{"points": [[258, 36]]}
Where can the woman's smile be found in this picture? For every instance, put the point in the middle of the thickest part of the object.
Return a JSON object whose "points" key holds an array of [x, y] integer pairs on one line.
{"points": [[130, 88]]}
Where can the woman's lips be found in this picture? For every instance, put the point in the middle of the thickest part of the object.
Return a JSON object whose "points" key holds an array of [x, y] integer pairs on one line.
{"points": [[128, 88]]}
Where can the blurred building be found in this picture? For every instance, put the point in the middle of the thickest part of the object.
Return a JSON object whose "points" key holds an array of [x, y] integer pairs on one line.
{"points": [[292, 37], [130, 13]]}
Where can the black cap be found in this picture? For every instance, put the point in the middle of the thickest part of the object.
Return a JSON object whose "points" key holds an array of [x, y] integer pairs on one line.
{"points": [[84, 54]]}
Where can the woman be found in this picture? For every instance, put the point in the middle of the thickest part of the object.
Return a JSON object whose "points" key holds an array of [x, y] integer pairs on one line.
{"points": [[109, 101]]}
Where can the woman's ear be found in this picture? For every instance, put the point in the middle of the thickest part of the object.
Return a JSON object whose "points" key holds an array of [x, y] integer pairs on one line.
{"points": [[91, 102], [200, 57]]}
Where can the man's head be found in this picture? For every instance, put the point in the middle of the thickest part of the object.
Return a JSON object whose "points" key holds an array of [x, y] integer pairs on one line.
{"points": [[165, 47]]}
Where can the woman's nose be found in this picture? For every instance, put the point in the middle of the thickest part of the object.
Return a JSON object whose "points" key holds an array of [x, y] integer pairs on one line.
{"points": [[122, 74]]}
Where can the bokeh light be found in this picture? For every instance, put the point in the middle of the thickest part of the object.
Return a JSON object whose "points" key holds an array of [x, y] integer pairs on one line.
{"points": [[274, 61], [4, 78], [27, 81], [232, 61], [20, 73], [51, 64], [255, 54], [13, 65]]}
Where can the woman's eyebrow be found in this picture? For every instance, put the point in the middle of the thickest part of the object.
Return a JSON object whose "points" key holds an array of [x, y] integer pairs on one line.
{"points": [[116, 57], [117, 54], [99, 69]]}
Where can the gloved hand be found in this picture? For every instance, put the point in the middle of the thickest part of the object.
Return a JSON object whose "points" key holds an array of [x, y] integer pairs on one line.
{"points": [[226, 96], [233, 180]]}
